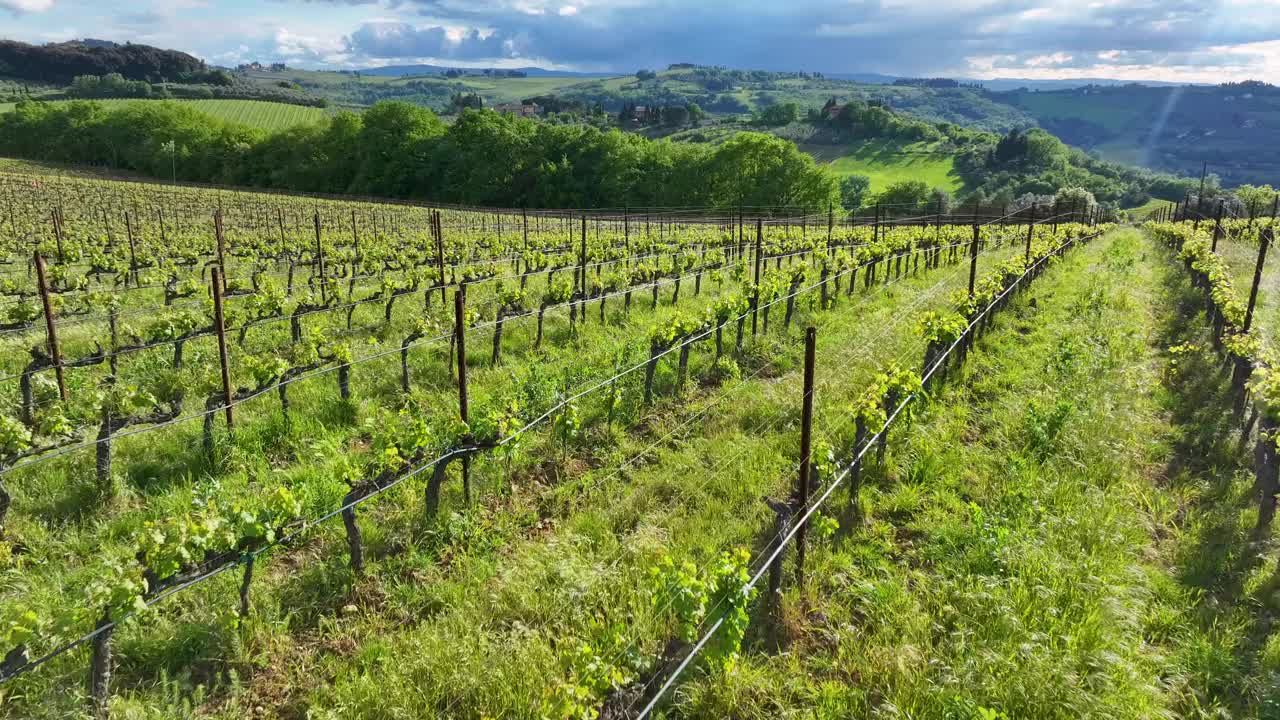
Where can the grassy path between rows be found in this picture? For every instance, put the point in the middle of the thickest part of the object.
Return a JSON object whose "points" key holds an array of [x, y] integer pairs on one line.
{"points": [[1064, 534]]}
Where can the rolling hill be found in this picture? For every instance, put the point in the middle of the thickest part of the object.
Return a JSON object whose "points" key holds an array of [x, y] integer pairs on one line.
{"points": [[1233, 128]]}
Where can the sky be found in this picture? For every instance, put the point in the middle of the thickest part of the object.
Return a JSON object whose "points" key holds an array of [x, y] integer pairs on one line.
{"points": [[1173, 40]]}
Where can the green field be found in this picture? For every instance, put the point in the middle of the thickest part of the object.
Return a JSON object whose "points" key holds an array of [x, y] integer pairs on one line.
{"points": [[1142, 212], [268, 116], [1113, 112], [887, 163]]}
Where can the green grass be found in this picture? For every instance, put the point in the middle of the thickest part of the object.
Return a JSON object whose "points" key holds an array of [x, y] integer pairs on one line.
{"points": [[1060, 536], [887, 162], [1060, 533], [1143, 211], [270, 116], [532, 552]]}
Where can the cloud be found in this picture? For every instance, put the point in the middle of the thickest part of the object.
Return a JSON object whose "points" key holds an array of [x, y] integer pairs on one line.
{"points": [[1170, 39], [980, 38], [383, 40], [293, 46], [26, 6]]}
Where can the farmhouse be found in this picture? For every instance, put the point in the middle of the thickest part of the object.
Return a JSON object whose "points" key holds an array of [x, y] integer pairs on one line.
{"points": [[519, 109]]}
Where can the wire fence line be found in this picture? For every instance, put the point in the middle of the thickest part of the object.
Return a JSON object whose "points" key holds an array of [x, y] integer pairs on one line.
{"points": [[224, 563], [839, 478]]}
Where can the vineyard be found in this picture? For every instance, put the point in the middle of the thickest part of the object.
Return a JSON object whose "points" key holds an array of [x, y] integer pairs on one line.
{"points": [[269, 116], [286, 456]]}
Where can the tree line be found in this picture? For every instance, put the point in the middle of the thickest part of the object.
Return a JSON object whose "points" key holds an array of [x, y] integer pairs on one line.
{"points": [[395, 149], [60, 63]]}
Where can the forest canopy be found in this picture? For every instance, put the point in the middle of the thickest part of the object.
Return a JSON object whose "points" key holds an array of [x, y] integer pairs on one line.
{"points": [[60, 63], [400, 150]]}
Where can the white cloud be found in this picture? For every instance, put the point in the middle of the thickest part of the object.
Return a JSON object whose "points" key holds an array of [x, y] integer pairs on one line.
{"points": [[290, 45], [1059, 58], [568, 10], [26, 6]]}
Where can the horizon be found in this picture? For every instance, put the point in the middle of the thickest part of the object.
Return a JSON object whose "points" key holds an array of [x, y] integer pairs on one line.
{"points": [[981, 40]]}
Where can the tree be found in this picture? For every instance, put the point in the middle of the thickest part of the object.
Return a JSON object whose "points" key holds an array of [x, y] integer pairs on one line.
{"points": [[777, 115], [390, 131], [643, 75], [940, 201], [755, 169], [854, 190], [461, 101], [696, 113], [906, 196], [1257, 200], [1075, 203], [675, 116]]}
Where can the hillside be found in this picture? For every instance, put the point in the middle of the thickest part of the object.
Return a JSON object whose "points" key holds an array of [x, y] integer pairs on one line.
{"points": [[1234, 128], [359, 89], [717, 91]]}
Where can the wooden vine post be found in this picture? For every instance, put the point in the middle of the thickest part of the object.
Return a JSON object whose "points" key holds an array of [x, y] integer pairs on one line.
{"points": [[219, 321], [222, 249], [355, 242], [133, 250], [439, 233], [582, 272], [1031, 231], [973, 259], [1265, 237], [51, 328], [1217, 227], [320, 260], [460, 330], [755, 292], [806, 448], [100, 668], [57, 234]]}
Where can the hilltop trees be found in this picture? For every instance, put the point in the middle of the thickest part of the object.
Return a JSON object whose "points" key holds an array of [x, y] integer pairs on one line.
{"points": [[401, 150], [59, 63]]}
